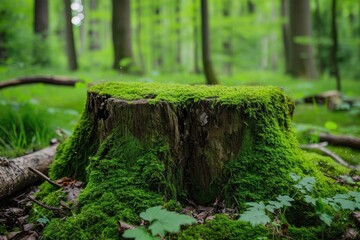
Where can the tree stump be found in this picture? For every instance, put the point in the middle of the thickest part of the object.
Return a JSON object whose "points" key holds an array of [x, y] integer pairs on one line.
{"points": [[204, 128], [140, 145]]}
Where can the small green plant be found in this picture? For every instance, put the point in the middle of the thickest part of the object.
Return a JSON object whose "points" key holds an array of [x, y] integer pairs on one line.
{"points": [[161, 222]]}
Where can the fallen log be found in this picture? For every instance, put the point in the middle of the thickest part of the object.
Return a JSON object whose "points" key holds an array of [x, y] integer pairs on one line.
{"points": [[15, 173], [340, 140], [54, 80], [322, 147]]}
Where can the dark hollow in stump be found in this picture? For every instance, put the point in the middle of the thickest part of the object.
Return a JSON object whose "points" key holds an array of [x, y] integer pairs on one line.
{"points": [[224, 143]]}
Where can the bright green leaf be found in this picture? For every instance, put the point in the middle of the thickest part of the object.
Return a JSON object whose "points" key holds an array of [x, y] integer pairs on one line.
{"points": [[165, 221], [330, 125], [285, 200], [326, 218], [255, 217], [345, 204], [139, 233]]}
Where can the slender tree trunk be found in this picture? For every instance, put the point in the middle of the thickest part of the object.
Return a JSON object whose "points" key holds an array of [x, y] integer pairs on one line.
{"points": [[41, 18], [121, 29], [94, 35], [157, 40], [41, 53], [71, 52], [251, 6], [302, 63], [286, 34], [206, 49], [138, 30], [333, 56], [196, 39], [227, 46], [178, 33], [319, 27]]}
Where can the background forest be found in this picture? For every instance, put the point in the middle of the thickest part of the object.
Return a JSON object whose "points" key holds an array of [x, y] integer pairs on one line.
{"points": [[304, 46]]}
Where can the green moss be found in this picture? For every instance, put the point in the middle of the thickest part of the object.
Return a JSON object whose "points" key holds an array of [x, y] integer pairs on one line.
{"points": [[222, 228], [73, 155], [309, 233]]}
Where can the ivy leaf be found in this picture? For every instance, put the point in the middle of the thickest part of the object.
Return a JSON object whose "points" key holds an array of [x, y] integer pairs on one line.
{"points": [[165, 221], [285, 200], [139, 233], [255, 217], [326, 218]]}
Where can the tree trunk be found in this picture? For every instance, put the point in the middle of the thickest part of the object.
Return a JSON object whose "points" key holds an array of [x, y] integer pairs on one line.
{"points": [[41, 53], [251, 6], [196, 39], [158, 60], [206, 49], [319, 31], [121, 29], [286, 34], [138, 30], [70, 44], [302, 53], [15, 174], [41, 18], [333, 56], [227, 46], [94, 35], [178, 33]]}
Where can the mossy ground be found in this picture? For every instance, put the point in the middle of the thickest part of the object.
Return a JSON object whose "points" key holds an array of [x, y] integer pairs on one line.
{"points": [[124, 176]]}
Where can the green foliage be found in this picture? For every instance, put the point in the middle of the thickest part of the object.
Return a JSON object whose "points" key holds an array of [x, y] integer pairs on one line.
{"points": [[24, 128], [161, 222], [223, 228]]}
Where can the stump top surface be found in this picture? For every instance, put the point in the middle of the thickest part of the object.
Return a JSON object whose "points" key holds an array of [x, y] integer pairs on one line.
{"points": [[183, 94]]}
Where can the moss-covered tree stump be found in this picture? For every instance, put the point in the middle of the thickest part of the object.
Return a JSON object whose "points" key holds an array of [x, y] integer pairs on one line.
{"points": [[140, 145]]}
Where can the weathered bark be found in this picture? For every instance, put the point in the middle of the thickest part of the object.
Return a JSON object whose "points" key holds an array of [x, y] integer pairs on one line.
{"points": [[71, 52], [15, 174], [302, 54], [40, 79], [201, 138], [333, 54], [121, 30], [206, 49]]}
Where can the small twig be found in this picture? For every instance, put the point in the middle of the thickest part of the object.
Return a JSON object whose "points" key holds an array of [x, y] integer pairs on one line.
{"points": [[44, 205], [322, 148], [43, 176], [122, 227]]}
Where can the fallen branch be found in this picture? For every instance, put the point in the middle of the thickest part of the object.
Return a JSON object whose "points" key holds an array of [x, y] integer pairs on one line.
{"points": [[322, 147], [340, 140], [44, 205], [55, 80], [43, 176], [15, 174]]}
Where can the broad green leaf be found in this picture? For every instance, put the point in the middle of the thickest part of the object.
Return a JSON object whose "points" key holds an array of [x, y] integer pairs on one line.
{"points": [[341, 196], [319, 206], [310, 199], [285, 200], [331, 125], [139, 233], [295, 177], [273, 205], [356, 196], [255, 217], [255, 205], [345, 204], [165, 221], [43, 220], [326, 218]]}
